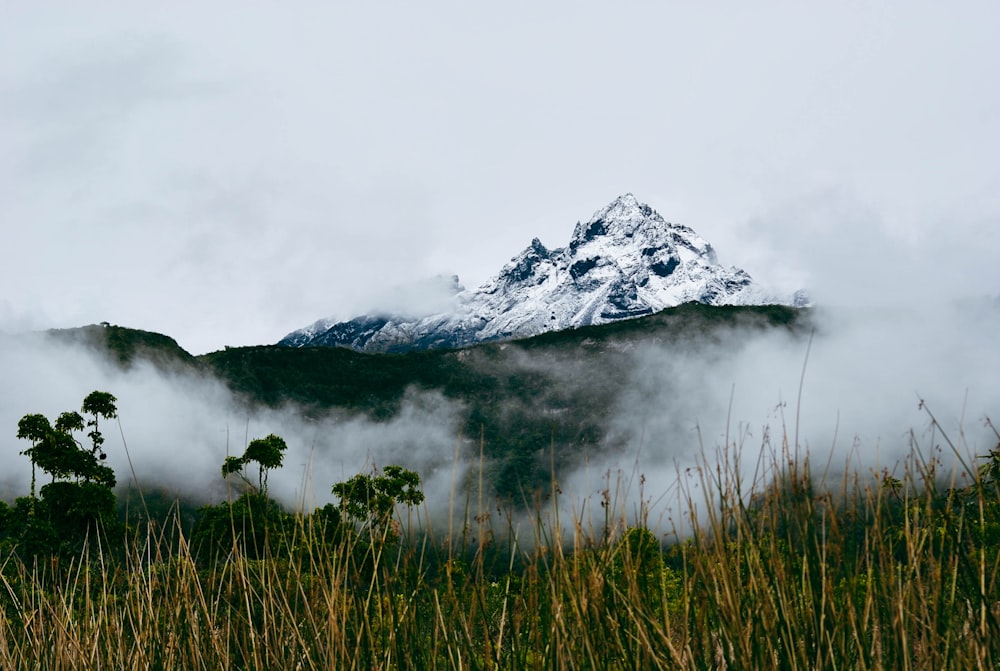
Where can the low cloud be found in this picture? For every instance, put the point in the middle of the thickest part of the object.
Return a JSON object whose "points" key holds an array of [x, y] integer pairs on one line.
{"points": [[177, 428], [672, 409], [433, 295], [849, 250], [871, 379]]}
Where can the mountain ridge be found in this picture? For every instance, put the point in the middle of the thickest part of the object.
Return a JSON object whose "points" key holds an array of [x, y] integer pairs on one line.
{"points": [[626, 261], [558, 390]]}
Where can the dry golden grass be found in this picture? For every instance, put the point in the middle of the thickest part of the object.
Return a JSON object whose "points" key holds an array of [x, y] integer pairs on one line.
{"points": [[778, 573]]}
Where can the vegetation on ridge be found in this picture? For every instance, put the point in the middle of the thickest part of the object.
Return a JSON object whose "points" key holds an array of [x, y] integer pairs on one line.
{"points": [[562, 402], [520, 414]]}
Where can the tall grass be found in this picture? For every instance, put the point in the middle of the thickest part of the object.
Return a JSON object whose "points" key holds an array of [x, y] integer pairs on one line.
{"points": [[786, 571]]}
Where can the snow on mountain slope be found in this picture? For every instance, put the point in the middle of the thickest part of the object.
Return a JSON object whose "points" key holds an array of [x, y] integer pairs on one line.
{"points": [[626, 261]]}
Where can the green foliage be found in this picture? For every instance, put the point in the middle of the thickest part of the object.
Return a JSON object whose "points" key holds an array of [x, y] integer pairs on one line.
{"points": [[56, 452], [518, 413], [232, 465], [98, 404], [637, 554], [78, 504], [252, 526], [33, 427], [126, 347], [6, 519], [153, 509], [268, 453], [370, 499], [78, 507], [989, 471], [60, 456], [70, 421], [28, 531]]}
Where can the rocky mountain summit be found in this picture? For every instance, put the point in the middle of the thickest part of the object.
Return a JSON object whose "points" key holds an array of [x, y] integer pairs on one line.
{"points": [[625, 262]]}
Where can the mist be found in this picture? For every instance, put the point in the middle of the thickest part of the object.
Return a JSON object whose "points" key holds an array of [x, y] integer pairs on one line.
{"points": [[849, 394], [857, 395], [152, 154], [177, 429]]}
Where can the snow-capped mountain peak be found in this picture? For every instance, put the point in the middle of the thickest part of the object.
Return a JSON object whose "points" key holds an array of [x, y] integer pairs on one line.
{"points": [[625, 261]]}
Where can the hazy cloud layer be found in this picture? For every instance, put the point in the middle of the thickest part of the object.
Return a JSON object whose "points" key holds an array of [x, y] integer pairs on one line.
{"points": [[178, 429], [228, 173], [867, 371]]}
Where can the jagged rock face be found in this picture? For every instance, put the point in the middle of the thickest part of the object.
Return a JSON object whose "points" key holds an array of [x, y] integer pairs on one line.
{"points": [[354, 334], [626, 261]]}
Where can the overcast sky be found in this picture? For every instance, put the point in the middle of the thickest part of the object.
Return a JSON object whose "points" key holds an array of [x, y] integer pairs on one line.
{"points": [[225, 172]]}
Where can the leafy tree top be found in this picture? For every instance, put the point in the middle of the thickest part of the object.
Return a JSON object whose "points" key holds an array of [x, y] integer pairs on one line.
{"points": [[55, 451], [371, 498], [268, 453], [98, 404]]}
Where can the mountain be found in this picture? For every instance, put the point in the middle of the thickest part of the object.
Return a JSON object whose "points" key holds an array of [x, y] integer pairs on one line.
{"points": [[517, 403], [126, 347], [625, 262]]}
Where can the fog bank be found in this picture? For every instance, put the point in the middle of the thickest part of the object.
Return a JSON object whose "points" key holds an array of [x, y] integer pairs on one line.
{"points": [[866, 370]]}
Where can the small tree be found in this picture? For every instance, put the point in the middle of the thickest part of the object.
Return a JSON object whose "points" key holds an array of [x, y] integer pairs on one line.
{"points": [[268, 453], [55, 451], [35, 428], [371, 499], [98, 404], [80, 494], [253, 522]]}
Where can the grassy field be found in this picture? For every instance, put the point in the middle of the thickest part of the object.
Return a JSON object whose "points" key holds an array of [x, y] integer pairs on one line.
{"points": [[782, 570]]}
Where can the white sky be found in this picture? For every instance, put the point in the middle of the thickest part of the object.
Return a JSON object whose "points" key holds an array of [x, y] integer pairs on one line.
{"points": [[225, 173]]}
